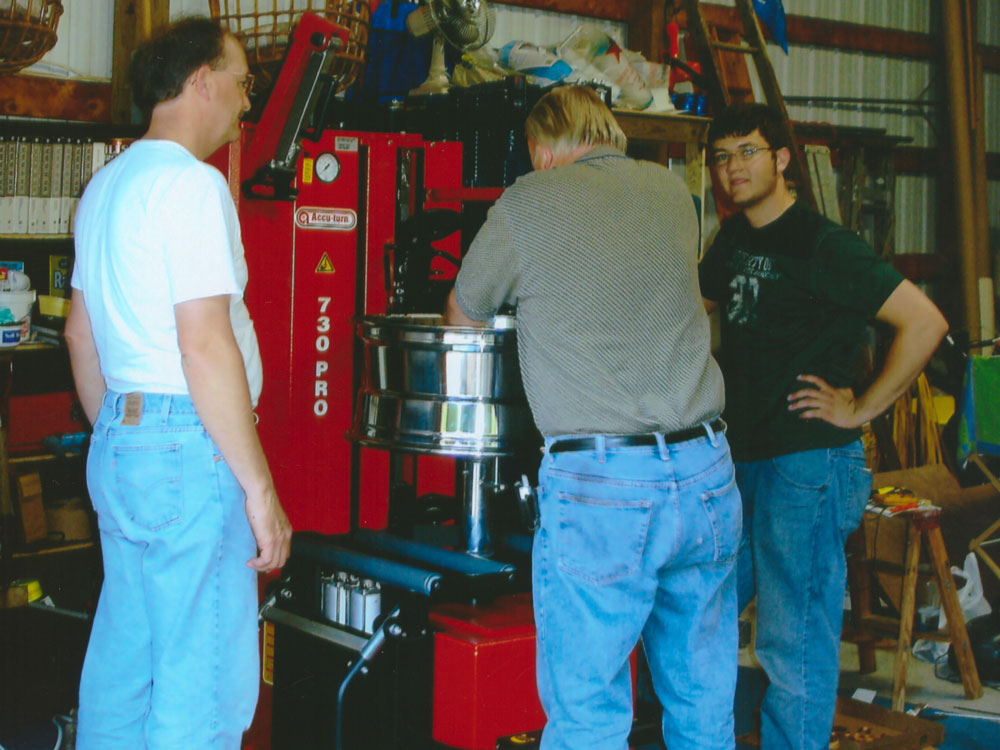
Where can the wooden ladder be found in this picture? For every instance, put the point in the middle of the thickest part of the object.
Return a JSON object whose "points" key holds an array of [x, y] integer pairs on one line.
{"points": [[725, 77]]}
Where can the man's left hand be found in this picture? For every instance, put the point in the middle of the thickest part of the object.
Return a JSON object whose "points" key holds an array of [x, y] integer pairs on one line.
{"points": [[834, 405]]}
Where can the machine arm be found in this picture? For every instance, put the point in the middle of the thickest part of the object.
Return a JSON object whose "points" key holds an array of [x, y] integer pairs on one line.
{"points": [[273, 151]]}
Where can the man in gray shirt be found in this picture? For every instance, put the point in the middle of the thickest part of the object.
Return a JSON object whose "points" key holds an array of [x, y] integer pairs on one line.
{"points": [[639, 512]]}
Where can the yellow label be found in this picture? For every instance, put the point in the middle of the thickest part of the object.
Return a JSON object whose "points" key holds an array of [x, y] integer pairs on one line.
{"points": [[307, 170], [59, 275], [267, 655], [325, 266]]}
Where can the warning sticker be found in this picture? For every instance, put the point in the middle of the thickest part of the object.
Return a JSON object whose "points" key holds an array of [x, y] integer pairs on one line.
{"points": [[325, 266], [267, 657]]}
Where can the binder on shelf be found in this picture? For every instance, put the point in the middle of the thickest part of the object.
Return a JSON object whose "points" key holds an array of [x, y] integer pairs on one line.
{"points": [[22, 169], [76, 180], [98, 156], [45, 190], [7, 162], [55, 195], [35, 200], [66, 195]]}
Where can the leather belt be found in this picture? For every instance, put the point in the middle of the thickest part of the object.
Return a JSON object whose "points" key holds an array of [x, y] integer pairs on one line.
{"points": [[612, 442]]}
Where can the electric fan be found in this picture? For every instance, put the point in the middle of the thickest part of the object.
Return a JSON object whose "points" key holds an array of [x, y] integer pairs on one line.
{"points": [[464, 24]]}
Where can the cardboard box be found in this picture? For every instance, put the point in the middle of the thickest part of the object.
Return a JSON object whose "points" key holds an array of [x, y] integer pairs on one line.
{"points": [[68, 519], [31, 510]]}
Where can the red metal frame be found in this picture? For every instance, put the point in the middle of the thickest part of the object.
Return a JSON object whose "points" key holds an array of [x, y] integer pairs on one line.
{"points": [[316, 261]]}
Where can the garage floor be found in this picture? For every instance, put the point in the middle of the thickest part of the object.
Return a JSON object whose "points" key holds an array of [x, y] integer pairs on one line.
{"points": [[968, 724]]}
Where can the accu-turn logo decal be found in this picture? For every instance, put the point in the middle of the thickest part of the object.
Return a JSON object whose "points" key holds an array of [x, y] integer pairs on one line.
{"points": [[328, 219]]}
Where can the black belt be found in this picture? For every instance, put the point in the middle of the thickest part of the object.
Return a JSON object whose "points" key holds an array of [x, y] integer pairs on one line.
{"points": [[612, 442]]}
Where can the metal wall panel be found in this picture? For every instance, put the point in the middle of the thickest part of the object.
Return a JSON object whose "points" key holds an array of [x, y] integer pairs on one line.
{"points": [[83, 42], [988, 22], [829, 73], [916, 225]]}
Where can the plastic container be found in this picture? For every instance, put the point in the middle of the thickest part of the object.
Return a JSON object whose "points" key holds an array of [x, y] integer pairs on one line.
{"points": [[10, 334], [16, 306], [56, 307]]}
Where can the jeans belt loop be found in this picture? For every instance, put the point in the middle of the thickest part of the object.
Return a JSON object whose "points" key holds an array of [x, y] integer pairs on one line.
{"points": [[711, 434], [601, 448], [661, 443]]}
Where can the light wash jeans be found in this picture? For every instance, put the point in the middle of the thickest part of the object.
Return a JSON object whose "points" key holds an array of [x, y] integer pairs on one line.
{"points": [[172, 662], [798, 510], [641, 541]]}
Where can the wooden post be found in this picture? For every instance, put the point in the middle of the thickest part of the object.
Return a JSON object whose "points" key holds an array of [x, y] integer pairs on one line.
{"points": [[135, 21], [961, 158], [647, 27]]}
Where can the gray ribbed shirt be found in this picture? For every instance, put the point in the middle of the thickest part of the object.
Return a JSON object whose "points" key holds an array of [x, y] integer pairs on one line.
{"points": [[600, 258]]}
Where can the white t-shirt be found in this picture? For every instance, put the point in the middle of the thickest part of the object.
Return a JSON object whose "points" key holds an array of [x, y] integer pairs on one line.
{"points": [[156, 227]]}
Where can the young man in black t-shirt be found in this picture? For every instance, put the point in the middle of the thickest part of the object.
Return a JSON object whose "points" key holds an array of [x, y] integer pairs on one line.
{"points": [[795, 293]]}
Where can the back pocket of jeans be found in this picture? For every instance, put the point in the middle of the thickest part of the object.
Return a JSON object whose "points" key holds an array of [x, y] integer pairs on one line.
{"points": [[601, 540], [149, 481], [724, 511]]}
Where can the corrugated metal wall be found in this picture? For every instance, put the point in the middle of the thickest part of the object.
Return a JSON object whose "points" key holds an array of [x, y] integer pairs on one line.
{"points": [[86, 51], [804, 72]]}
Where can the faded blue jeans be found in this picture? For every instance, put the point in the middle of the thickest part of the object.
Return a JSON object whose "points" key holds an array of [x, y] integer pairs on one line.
{"points": [[172, 661], [798, 511], [640, 541]]}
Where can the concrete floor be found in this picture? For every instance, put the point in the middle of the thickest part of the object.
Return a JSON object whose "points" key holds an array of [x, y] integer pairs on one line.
{"points": [[922, 685], [969, 724]]}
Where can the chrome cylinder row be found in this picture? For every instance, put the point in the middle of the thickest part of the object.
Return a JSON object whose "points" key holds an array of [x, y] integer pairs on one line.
{"points": [[351, 601]]}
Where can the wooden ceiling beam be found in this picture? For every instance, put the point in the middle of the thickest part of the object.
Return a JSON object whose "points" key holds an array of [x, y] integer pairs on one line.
{"points": [[37, 96]]}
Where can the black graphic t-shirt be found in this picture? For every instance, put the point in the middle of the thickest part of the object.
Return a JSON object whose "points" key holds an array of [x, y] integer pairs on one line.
{"points": [[795, 297]]}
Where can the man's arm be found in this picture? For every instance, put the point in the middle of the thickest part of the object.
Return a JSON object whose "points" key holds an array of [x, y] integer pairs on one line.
{"points": [[919, 327], [453, 315], [83, 357], [216, 377], [710, 305]]}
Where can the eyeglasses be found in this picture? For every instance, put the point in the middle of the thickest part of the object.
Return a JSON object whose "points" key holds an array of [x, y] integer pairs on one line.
{"points": [[742, 154], [244, 81]]}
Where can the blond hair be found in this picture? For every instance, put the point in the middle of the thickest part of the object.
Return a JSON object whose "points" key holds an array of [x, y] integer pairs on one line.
{"points": [[571, 116]]}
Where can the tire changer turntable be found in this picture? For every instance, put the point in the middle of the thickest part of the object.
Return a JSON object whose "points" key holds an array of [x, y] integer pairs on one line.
{"points": [[402, 618]]}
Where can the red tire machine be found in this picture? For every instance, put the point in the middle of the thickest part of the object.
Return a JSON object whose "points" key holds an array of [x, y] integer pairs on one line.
{"points": [[326, 216]]}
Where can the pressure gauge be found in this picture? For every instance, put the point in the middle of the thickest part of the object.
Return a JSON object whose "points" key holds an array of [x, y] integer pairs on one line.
{"points": [[327, 167]]}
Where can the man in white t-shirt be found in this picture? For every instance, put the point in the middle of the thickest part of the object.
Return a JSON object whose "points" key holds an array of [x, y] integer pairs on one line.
{"points": [[167, 367]]}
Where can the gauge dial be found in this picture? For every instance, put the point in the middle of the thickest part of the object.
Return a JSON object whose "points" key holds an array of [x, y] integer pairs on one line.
{"points": [[327, 167]]}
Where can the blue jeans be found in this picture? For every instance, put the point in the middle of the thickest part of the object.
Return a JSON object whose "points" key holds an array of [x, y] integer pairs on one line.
{"points": [[172, 660], [639, 541], [798, 510]]}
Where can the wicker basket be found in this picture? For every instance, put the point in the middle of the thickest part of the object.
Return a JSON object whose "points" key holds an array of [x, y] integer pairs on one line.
{"points": [[27, 31], [264, 27]]}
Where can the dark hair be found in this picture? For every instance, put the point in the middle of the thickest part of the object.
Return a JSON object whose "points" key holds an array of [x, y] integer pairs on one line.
{"points": [[160, 66], [744, 118]]}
